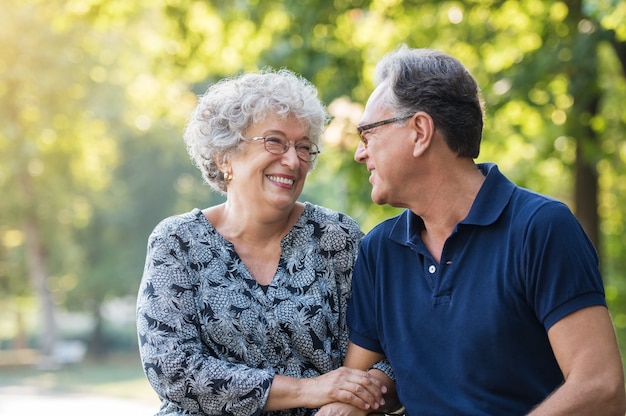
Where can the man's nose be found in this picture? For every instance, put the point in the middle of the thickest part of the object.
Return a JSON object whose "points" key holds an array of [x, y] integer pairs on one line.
{"points": [[360, 153]]}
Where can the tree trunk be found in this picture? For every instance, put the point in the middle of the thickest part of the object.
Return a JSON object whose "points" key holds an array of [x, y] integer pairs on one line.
{"points": [[97, 349], [37, 265], [582, 71], [586, 196], [36, 259]]}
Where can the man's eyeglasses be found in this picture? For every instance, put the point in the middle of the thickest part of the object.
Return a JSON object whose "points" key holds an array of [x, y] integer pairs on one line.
{"points": [[306, 150], [361, 129]]}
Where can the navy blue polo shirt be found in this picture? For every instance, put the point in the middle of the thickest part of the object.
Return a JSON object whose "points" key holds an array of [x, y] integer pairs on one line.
{"points": [[468, 335]]}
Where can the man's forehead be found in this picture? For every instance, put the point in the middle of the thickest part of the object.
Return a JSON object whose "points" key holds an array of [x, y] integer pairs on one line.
{"points": [[375, 104]]}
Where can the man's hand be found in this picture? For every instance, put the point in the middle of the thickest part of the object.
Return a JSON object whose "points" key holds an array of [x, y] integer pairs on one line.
{"points": [[340, 409]]}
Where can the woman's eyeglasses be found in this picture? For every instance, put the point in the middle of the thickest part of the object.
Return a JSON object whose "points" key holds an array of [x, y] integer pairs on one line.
{"points": [[306, 150]]}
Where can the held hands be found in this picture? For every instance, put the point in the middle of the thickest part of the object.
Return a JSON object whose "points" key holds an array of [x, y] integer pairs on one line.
{"points": [[345, 385]]}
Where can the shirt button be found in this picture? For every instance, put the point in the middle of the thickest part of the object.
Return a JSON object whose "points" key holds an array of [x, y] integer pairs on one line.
{"points": [[432, 269]]}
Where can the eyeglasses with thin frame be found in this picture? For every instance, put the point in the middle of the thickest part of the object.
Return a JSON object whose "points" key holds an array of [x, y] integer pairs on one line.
{"points": [[306, 150], [361, 129]]}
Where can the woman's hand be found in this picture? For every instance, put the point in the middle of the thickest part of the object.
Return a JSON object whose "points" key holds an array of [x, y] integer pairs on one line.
{"points": [[344, 385]]}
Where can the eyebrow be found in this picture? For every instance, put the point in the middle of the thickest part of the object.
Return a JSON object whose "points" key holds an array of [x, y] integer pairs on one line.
{"points": [[282, 134]]}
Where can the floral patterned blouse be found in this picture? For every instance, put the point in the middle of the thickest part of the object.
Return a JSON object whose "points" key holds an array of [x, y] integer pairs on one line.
{"points": [[211, 338]]}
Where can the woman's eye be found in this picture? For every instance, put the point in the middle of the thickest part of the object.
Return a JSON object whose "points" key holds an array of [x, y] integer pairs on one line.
{"points": [[274, 140]]}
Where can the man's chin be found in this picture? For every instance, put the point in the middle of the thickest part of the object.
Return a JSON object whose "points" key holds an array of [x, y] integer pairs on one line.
{"points": [[377, 199]]}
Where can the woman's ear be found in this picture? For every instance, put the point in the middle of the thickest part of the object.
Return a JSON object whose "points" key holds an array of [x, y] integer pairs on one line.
{"points": [[222, 162], [423, 132]]}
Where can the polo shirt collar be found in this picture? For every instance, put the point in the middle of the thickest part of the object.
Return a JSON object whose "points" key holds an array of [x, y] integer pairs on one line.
{"points": [[490, 201]]}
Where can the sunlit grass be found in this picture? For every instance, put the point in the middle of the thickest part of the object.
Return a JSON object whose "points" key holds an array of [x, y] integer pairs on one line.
{"points": [[119, 376]]}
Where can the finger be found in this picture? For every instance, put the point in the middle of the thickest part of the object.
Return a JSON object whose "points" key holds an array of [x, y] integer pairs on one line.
{"points": [[357, 395], [355, 387], [372, 385]]}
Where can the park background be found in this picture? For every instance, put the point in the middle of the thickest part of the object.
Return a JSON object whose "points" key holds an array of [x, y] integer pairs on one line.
{"points": [[94, 96]]}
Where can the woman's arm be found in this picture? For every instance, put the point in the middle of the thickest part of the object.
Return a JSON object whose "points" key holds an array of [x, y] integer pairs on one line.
{"points": [[346, 385]]}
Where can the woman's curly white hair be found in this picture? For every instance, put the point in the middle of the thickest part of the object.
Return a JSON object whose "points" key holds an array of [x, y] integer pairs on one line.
{"points": [[229, 107]]}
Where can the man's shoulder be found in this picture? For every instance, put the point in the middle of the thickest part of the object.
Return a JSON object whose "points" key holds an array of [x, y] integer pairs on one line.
{"points": [[526, 203], [384, 229]]}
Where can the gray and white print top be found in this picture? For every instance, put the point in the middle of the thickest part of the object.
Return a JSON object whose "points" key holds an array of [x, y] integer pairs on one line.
{"points": [[211, 338]]}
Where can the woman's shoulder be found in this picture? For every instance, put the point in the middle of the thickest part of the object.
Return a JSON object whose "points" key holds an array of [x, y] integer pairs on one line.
{"points": [[181, 223], [328, 216]]}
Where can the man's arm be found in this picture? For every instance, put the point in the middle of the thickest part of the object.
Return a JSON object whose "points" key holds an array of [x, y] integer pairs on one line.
{"points": [[586, 349], [362, 359]]}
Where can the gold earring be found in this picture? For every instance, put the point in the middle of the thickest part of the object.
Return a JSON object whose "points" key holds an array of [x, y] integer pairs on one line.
{"points": [[227, 176]]}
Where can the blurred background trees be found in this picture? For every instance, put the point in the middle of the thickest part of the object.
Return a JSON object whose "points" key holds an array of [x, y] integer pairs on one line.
{"points": [[94, 95]]}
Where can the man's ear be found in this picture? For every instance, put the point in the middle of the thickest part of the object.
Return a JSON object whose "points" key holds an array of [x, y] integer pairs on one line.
{"points": [[423, 132]]}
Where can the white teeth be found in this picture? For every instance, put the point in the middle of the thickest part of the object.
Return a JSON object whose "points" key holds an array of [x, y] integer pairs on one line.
{"points": [[281, 180]]}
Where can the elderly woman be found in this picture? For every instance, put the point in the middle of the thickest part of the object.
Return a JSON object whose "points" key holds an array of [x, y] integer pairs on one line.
{"points": [[242, 306]]}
